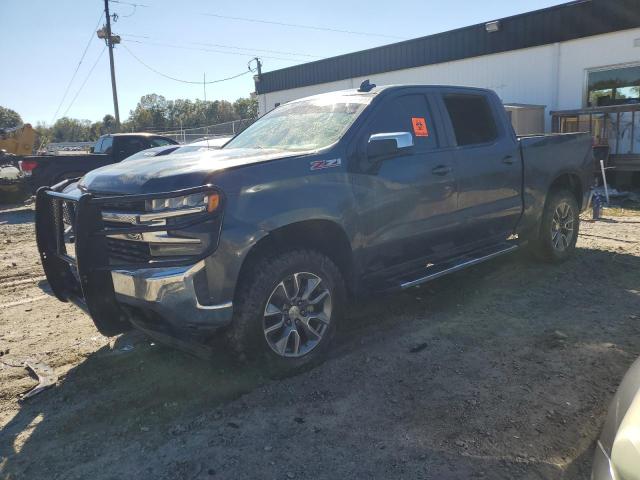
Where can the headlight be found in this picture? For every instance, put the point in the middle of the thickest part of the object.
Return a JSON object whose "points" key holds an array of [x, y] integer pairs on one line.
{"points": [[209, 202]]}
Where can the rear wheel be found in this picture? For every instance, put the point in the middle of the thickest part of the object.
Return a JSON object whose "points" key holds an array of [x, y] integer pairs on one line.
{"points": [[287, 309], [559, 228]]}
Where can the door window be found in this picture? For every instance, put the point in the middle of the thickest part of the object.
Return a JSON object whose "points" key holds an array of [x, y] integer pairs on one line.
{"points": [[471, 118], [408, 113], [106, 145], [160, 142], [133, 145]]}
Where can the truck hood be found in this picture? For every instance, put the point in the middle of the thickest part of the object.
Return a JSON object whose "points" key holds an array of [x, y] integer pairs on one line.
{"points": [[174, 171]]}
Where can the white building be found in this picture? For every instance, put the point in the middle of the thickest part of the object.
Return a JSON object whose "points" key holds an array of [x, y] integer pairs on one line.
{"points": [[575, 55]]}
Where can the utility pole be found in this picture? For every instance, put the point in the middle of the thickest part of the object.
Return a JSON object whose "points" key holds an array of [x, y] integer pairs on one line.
{"points": [[258, 77], [259, 67], [113, 71]]}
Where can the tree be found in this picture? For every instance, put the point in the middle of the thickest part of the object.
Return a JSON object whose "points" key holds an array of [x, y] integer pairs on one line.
{"points": [[246, 108], [9, 118], [153, 112], [108, 124], [156, 112], [71, 130]]}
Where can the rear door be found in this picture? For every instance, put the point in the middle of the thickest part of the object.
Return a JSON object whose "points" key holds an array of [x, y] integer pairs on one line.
{"points": [[487, 164], [407, 203]]}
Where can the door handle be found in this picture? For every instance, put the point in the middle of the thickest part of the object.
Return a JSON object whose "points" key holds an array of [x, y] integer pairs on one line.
{"points": [[441, 170], [508, 160]]}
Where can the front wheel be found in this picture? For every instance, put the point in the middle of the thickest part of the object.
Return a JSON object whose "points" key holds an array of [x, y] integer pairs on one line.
{"points": [[287, 309], [559, 228]]}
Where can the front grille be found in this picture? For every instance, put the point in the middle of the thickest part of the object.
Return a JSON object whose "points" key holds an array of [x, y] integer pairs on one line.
{"points": [[127, 252], [125, 206]]}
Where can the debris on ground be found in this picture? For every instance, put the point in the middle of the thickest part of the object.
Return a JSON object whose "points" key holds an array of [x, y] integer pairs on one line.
{"points": [[45, 375], [533, 351], [418, 348]]}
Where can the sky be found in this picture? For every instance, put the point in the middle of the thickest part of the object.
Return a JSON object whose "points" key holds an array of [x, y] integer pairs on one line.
{"points": [[43, 41]]}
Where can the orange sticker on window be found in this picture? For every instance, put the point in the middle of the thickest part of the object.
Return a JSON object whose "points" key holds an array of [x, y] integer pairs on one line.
{"points": [[420, 127]]}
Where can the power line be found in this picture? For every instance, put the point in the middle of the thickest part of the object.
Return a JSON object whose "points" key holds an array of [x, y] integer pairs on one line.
{"points": [[281, 52], [297, 25], [179, 79], [66, 92], [129, 3], [85, 81], [232, 47], [209, 50], [281, 24]]}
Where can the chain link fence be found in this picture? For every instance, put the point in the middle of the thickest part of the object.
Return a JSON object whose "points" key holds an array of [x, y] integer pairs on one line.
{"points": [[188, 135]]}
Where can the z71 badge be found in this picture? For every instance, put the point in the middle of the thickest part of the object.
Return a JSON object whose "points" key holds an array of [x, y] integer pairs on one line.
{"points": [[322, 164]]}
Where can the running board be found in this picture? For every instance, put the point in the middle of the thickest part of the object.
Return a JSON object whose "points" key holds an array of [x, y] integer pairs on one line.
{"points": [[445, 269]]}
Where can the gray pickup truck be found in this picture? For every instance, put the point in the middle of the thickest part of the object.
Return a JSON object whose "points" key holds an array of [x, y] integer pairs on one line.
{"points": [[44, 170], [322, 200]]}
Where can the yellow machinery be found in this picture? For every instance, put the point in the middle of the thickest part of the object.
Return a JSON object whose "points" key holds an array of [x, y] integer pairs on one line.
{"points": [[14, 143], [19, 140]]}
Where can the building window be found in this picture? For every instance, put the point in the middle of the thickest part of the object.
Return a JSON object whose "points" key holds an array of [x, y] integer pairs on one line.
{"points": [[616, 86]]}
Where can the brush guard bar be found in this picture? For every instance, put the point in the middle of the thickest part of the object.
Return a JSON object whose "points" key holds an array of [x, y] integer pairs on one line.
{"points": [[83, 276]]}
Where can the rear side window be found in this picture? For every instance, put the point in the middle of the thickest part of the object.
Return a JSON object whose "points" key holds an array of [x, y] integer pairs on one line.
{"points": [[471, 118]]}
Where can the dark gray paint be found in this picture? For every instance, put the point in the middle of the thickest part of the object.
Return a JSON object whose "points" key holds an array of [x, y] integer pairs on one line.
{"points": [[395, 214]]}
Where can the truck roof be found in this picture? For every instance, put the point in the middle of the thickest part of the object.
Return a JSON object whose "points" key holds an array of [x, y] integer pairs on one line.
{"points": [[384, 88], [133, 134]]}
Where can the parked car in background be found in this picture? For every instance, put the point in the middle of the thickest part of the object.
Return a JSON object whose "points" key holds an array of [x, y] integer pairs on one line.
{"points": [[323, 199], [44, 170], [617, 455], [153, 152], [214, 143], [199, 145]]}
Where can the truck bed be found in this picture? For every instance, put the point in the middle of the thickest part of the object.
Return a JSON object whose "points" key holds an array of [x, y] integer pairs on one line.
{"points": [[545, 157]]}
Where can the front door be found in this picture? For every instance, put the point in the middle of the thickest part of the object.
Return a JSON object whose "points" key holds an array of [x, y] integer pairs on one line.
{"points": [[406, 203]]}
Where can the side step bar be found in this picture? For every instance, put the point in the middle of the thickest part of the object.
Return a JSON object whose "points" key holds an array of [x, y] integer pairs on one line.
{"points": [[444, 270]]}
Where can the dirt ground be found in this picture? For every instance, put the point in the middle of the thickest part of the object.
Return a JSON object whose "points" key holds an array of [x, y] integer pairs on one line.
{"points": [[502, 371]]}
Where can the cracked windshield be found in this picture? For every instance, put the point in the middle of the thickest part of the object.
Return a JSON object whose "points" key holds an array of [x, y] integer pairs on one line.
{"points": [[299, 126]]}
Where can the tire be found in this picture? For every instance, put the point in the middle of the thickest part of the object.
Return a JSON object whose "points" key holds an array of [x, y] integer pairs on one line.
{"points": [[559, 228], [268, 309], [111, 328]]}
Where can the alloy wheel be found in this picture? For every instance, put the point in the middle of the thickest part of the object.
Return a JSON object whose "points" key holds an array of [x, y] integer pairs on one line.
{"points": [[297, 315], [562, 227]]}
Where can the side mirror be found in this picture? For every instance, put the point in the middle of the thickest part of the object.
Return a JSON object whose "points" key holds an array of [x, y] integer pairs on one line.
{"points": [[387, 144], [92, 149]]}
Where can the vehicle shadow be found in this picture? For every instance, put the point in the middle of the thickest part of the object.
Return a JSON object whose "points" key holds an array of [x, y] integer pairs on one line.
{"points": [[127, 389], [16, 215], [140, 393]]}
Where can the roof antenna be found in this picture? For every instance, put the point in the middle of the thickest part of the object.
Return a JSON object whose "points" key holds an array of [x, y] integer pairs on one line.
{"points": [[366, 86]]}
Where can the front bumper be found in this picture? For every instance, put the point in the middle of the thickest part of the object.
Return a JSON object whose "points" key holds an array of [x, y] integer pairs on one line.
{"points": [[602, 468], [171, 293], [168, 295]]}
